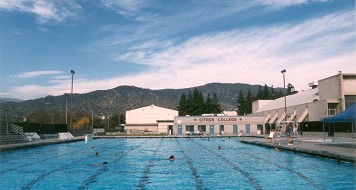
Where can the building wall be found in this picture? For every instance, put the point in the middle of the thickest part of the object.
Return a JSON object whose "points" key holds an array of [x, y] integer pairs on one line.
{"points": [[146, 119], [330, 88], [141, 128], [331, 91], [150, 114], [349, 85], [163, 127], [316, 110], [259, 103], [227, 122]]}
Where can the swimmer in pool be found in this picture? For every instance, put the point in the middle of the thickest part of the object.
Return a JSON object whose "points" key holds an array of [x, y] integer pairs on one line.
{"points": [[97, 154], [101, 164], [171, 158]]}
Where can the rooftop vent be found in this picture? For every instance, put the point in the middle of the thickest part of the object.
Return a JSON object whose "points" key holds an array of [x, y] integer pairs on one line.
{"points": [[313, 85]]}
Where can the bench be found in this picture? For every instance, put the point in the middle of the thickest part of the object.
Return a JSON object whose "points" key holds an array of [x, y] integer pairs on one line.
{"points": [[315, 134], [50, 136]]}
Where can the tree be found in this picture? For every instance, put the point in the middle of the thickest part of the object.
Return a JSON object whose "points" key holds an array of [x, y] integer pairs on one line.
{"points": [[189, 105], [290, 89], [216, 104], [182, 105], [249, 100], [273, 93], [259, 95], [241, 103], [266, 94], [194, 104], [39, 116], [198, 102], [208, 105]]}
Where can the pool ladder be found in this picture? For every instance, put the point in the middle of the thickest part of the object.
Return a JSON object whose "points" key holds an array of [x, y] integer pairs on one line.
{"points": [[279, 134]]}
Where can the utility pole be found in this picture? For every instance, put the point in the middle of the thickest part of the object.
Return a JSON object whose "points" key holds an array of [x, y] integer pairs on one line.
{"points": [[71, 101]]}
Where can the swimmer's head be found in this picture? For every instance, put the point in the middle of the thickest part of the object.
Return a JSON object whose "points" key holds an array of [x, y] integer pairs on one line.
{"points": [[105, 163]]}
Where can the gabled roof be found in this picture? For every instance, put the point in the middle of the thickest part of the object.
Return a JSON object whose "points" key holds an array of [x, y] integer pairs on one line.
{"points": [[299, 98], [150, 108]]}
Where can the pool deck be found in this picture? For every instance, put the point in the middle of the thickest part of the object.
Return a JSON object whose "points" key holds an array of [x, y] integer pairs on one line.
{"points": [[339, 149], [39, 142]]}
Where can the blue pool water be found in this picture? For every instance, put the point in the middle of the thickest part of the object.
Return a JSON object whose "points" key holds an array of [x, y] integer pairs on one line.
{"points": [[143, 164]]}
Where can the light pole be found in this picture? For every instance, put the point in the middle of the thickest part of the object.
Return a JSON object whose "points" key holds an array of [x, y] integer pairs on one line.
{"points": [[71, 91], [66, 109], [71, 99], [52, 115], [7, 123], [92, 116], [285, 94]]}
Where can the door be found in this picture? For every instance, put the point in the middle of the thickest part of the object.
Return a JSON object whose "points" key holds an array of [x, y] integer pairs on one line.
{"points": [[179, 130], [234, 129], [170, 129], [221, 129], [211, 129], [247, 128]]}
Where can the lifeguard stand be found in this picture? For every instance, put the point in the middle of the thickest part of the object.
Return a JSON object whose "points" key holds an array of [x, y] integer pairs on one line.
{"points": [[282, 128]]}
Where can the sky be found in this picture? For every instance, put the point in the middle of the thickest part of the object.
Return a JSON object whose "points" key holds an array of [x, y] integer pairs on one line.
{"points": [[160, 44]]}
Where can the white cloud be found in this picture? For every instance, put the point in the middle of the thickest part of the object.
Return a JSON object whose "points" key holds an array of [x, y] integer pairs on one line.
{"points": [[44, 10], [254, 55], [129, 9], [310, 51], [34, 74], [278, 4]]}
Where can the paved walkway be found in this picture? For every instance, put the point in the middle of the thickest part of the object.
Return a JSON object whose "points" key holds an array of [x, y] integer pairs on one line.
{"points": [[341, 149], [39, 142]]}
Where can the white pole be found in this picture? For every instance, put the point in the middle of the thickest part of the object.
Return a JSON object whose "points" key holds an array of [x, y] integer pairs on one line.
{"points": [[353, 135], [66, 110], [323, 132]]}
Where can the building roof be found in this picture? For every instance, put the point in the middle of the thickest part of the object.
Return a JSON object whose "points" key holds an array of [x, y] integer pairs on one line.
{"points": [[299, 98], [151, 107]]}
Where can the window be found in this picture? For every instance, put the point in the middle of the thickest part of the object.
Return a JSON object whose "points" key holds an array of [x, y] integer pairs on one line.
{"points": [[332, 108], [189, 128], [202, 128], [349, 100]]}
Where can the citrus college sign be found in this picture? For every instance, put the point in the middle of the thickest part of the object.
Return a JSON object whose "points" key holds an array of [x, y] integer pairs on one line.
{"points": [[219, 119]]}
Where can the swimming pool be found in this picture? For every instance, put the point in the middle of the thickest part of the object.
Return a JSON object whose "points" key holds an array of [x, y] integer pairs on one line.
{"points": [[143, 164]]}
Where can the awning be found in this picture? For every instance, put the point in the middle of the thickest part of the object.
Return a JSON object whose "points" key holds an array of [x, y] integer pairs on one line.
{"points": [[304, 114], [348, 115], [267, 118], [281, 118], [273, 118]]}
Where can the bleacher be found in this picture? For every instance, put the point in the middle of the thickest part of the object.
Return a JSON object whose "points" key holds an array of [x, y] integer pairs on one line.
{"points": [[11, 134]]}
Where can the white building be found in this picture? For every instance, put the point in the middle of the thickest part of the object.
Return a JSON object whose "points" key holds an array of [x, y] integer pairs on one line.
{"points": [[218, 125], [150, 119], [330, 96]]}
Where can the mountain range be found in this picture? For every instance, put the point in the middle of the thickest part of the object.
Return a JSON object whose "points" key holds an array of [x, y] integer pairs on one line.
{"points": [[123, 98]]}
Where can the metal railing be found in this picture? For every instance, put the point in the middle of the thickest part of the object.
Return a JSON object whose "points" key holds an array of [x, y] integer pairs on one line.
{"points": [[16, 129]]}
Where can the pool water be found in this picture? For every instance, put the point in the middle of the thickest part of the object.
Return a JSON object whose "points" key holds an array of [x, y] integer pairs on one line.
{"points": [[143, 164]]}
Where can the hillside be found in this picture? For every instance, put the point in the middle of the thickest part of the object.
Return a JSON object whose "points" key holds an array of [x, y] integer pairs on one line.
{"points": [[123, 98]]}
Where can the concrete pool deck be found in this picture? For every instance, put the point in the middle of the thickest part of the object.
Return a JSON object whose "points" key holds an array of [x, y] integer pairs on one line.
{"points": [[341, 149], [39, 142], [338, 149]]}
